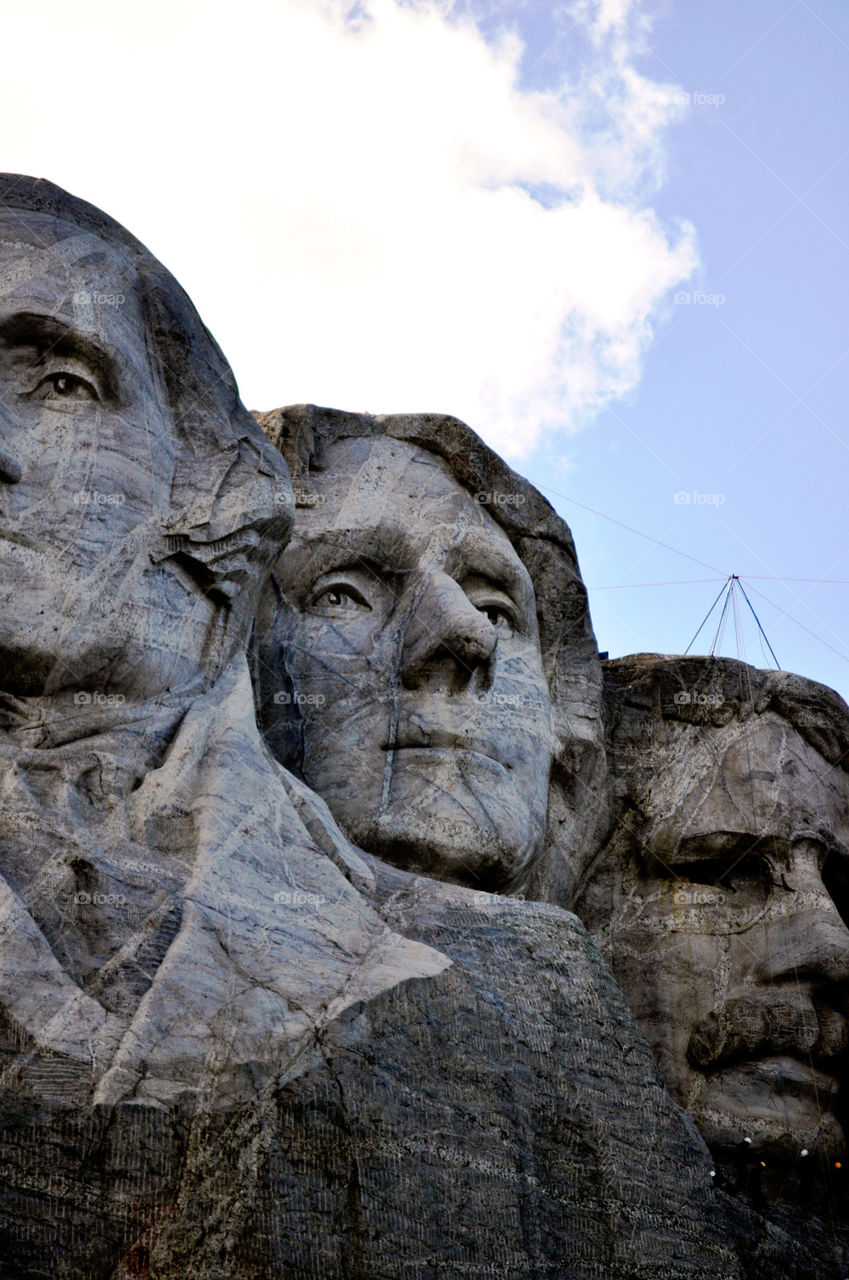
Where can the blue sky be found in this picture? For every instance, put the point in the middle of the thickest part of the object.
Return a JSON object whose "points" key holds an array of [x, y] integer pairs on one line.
{"points": [[746, 399], [489, 210]]}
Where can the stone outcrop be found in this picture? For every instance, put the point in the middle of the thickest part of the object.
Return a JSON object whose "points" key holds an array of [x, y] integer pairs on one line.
{"points": [[503, 1118]]}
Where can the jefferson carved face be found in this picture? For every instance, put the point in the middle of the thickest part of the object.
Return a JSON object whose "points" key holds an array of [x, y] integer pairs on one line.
{"points": [[725, 934], [405, 678], [86, 462]]}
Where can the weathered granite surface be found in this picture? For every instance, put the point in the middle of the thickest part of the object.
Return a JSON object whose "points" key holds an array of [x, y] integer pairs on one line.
{"points": [[398, 661], [425, 656], [502, 1119], [147, 835], [150, 847], [720, 900], [232, 1044]]}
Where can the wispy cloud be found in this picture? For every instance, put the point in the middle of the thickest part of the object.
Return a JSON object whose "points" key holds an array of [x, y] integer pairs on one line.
{"points": [[368, 204]]}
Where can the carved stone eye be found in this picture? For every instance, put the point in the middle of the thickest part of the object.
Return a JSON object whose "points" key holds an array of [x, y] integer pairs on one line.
{"points": [[499, 617], [340, 598], [65, 386]]}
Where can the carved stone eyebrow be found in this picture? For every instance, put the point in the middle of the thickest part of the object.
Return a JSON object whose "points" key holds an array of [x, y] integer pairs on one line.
{"points": [[390, 547], [476, 555], [380, 546], [50, 335]]}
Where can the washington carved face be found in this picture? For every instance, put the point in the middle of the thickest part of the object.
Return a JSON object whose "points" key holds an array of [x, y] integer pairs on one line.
{"points": [[406, 680], [727, 937], [86, 462]]}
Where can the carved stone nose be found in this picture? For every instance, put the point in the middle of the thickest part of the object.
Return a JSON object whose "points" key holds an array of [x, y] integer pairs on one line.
{"points": [[446, 639]]}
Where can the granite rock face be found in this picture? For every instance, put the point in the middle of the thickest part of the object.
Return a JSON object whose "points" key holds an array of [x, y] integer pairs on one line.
{"points": [[232, 1043], [503, 1118], [417, 665], [151, 848], [720, 901], [425, 656]]}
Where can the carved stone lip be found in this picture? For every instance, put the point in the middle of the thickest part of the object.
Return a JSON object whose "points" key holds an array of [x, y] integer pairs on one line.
{"points": [[448, 740]]}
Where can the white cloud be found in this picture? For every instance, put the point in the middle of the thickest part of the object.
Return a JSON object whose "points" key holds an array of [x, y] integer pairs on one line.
{"points": [[347, 199]]}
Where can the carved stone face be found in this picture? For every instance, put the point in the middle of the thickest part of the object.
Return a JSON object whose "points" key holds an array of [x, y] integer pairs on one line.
{"points": [[726, 937], [86, 461], [409, 680]]}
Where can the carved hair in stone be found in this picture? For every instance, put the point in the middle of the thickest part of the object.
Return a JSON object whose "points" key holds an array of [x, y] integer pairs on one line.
{"points": [[426, 660]]}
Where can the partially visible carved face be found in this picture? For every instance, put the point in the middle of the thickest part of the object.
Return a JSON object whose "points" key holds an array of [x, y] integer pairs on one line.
{"points": [[86, 461], [725, 934], [405, 674]]}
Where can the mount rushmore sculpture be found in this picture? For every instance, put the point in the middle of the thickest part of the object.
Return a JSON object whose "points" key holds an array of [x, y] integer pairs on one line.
{"points": [[307, 754]]}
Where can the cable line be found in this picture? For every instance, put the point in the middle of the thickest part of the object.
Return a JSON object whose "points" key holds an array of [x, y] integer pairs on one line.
{"points": [[630, 529], [760, 628], [707, 615], [800, 624], [717, 635]]}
